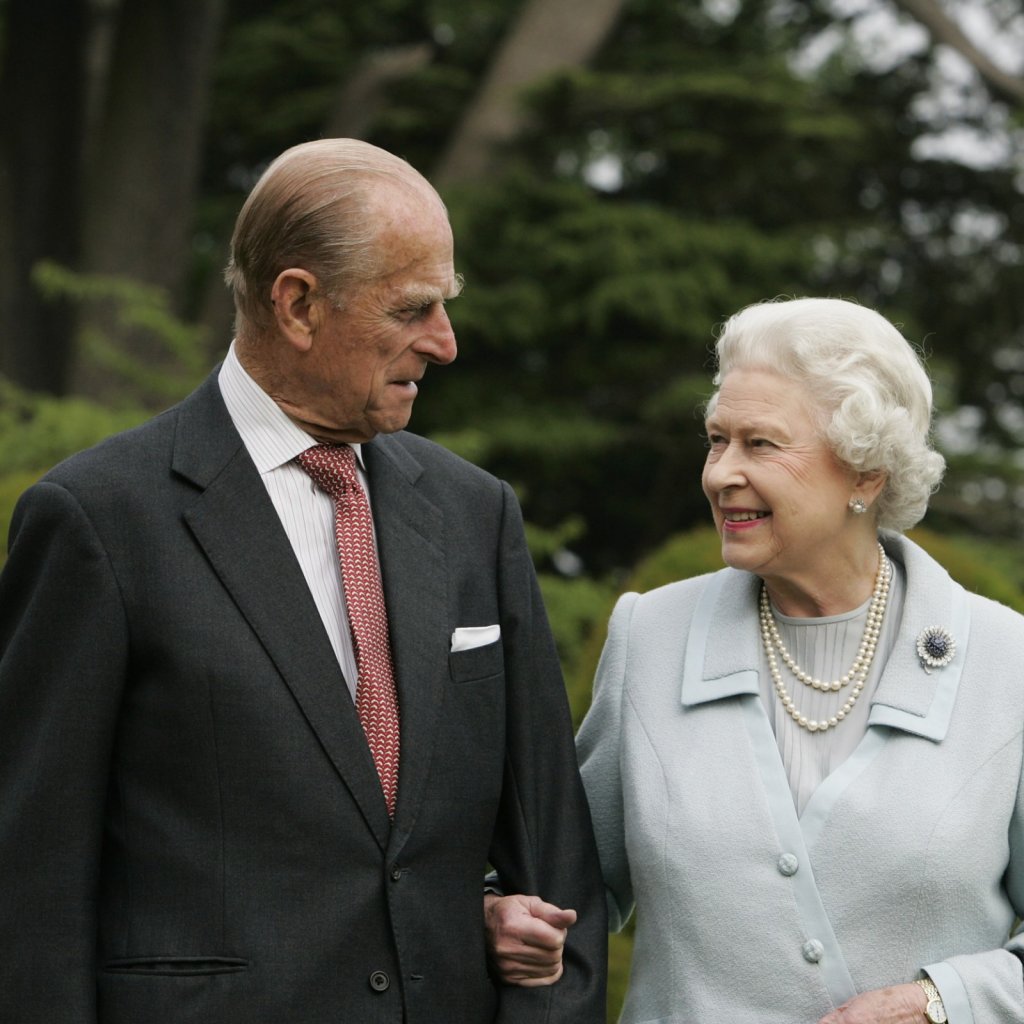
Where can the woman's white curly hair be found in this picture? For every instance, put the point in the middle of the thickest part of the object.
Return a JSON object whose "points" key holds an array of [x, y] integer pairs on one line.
{"points": [[865, 379]]}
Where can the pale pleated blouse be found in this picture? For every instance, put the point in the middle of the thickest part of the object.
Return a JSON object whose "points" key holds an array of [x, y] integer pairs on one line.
{"points": [[825, 647]]}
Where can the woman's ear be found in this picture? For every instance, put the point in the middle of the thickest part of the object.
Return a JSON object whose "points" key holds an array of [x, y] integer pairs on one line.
{"points": [[868, 486], [294, 295]]}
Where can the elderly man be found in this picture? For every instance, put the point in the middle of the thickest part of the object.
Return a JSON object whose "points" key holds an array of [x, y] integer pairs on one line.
{"points": [[276, 684]]}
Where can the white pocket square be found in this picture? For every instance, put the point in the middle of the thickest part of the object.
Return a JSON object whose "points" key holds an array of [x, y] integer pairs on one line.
{"points": [[467, 637]]}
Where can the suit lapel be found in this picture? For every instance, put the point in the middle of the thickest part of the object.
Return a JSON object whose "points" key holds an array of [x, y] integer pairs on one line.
{"points": [[415, 588], [235, 523], [910, 696]]}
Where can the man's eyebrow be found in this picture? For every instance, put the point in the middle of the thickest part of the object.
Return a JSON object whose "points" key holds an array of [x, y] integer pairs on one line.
{"points": [[416, 297]]}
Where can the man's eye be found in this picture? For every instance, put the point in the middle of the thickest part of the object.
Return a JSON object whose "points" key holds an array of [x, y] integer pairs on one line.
{"points": [[413, 313]]}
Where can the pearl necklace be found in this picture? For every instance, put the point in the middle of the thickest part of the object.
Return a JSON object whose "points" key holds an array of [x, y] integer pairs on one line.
{"points": [[858, 671]]}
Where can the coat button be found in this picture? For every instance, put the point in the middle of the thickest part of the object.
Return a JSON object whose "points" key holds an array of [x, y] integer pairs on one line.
{"points": [[396, 874], [813, 951], [379, 981], [788, 864]]}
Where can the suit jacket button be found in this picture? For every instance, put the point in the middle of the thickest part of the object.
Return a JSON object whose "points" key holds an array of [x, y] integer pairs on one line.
{"points": [[379, 981], [396, 874]]}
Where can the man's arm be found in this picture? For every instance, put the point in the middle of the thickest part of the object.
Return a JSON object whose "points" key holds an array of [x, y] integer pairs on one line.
{"points": [[543, 840], [63, 642]]}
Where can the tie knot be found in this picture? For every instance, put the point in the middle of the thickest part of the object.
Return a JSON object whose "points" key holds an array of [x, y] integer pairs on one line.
{"points": [[332, 467]]}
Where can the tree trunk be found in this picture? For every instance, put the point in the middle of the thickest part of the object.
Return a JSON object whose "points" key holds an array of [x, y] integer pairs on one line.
{"points": [[549, 36], [41, 131], [364, 92], [144, 168], [944, 29]]}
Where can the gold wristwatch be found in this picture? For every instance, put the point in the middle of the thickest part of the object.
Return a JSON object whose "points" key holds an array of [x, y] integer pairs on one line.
{"points": [[934, 1011]]}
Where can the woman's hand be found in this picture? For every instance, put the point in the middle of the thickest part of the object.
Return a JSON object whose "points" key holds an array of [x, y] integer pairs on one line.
{"points": [[525, 938], [898, 1004]]}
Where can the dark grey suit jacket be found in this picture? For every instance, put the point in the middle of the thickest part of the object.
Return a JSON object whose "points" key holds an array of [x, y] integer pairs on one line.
{"points": [[191, 826]]}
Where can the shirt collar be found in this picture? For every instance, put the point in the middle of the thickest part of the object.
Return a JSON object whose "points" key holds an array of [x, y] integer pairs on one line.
{"points": [[270, 437]]}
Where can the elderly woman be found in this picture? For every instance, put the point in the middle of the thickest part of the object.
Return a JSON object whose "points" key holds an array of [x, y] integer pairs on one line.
{"points": [[805, 769]]}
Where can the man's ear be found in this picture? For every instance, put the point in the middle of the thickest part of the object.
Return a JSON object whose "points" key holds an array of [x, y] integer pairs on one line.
{"points": [[294, 295]]}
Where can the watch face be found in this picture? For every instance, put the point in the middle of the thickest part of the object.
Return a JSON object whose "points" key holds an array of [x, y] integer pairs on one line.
{"points": [[936, 1012]]}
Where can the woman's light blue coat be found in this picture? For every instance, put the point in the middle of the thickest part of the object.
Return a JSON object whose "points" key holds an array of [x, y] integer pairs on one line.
{"points": [[910, 856]]}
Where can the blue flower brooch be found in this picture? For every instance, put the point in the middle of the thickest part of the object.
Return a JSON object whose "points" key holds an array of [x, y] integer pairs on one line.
{"points": [[935, 647]]}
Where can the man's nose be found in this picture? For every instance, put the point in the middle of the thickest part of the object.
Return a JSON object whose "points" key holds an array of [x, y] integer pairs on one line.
{"points": [[438, 341]]}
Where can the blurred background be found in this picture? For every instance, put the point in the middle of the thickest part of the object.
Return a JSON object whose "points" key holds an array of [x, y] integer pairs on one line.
{"points": [[621, 176]]}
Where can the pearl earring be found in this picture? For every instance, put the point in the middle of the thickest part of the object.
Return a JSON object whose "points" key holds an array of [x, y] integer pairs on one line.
{"points": [[857, 506]]}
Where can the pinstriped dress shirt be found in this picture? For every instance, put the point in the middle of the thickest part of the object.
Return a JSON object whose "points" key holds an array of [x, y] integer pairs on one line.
{"points": [[306, 512]]}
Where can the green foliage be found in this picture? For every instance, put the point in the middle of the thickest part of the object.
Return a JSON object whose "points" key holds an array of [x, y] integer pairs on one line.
{"points": [[301, 44], [569, 436], [620, 953], [590, 303], [143, 308], [984, 567], [733, 180], [545, 544], [37, 431], [575, 608], [982, 495], [693, 553]]}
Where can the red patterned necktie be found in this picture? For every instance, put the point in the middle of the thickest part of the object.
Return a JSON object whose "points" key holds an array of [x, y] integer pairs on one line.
{"points": [[333, 469]]}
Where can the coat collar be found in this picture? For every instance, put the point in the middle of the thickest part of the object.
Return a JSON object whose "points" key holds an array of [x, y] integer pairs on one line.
{"points": [[723, 654]]}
